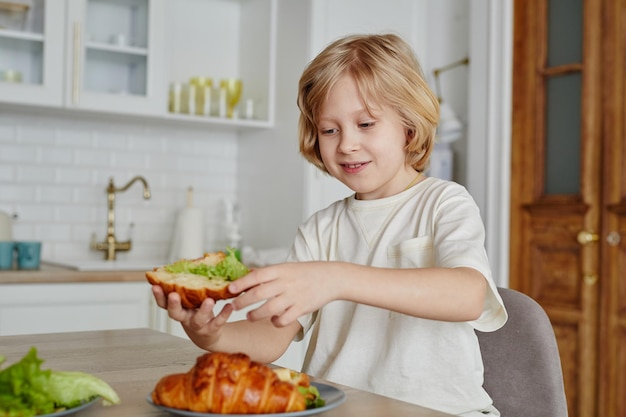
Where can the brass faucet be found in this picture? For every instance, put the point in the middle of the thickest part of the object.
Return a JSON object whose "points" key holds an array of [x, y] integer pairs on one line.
{"points": [[111, 245]]}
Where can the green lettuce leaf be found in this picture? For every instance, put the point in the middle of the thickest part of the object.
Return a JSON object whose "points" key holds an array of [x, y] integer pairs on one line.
{"points": [[23, 387], [26, 390], [312, 396], [70, 389], [230, 267]]}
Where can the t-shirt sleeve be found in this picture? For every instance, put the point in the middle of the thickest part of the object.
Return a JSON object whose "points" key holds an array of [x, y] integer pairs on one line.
{"points": [[459, 237]]}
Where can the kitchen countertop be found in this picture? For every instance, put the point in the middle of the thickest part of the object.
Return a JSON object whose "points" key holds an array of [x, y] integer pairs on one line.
{"points": [[49, 274], [132, 361]]}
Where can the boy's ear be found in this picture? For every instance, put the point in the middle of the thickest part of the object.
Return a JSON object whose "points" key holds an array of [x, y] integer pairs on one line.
{"points": [[409, 135]]}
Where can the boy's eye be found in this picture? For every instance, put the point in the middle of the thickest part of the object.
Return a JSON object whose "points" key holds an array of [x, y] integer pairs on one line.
{"points": [[365, 125]]}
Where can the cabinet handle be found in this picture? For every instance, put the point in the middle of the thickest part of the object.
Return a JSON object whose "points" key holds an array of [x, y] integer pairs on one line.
{"points": [[77, 65], [584, 237]]}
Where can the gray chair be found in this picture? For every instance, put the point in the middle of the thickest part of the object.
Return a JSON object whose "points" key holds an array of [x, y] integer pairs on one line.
{"points": [[523, 372]]}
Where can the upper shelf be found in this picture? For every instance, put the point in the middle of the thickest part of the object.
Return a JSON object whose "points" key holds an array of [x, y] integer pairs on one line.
{"points": [[112, 57], [15, 34], [122, 49]]}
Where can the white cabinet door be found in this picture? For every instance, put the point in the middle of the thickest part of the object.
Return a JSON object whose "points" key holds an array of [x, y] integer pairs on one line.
{"points": [[51, 308], [115, 56], [31, 56], [109, 54]]}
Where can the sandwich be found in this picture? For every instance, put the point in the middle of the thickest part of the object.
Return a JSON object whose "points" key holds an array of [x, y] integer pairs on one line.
{"points": [[198, 279]]}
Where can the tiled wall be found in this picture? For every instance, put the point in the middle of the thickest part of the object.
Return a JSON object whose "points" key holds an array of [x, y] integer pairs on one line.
{"points": [[54, 170]]}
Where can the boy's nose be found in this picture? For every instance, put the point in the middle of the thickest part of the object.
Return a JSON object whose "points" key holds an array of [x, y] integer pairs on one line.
{"points": [[348, 144]]}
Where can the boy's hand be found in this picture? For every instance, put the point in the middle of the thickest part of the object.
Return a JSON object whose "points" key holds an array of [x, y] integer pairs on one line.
{"points": [[290, 290], [201, 325]]}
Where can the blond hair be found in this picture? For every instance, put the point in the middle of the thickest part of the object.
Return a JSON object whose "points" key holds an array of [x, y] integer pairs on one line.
{"points": [[386, 72]]}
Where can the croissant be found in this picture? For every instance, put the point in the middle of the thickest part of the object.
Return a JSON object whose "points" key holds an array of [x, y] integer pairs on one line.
{"points": [[223, 383]]}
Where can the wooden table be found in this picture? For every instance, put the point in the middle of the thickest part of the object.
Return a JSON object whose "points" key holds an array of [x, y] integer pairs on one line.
{"points": [[132, 361]]}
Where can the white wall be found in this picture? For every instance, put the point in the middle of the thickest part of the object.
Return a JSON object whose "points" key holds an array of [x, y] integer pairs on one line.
{"points": [[54, 169], [489, 133]]}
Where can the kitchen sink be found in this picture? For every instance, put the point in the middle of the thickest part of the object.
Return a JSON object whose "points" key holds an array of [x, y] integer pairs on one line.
{"points": [[102, 265]]}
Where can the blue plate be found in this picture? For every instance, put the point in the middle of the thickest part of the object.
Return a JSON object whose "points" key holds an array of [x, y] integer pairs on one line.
{"points": [[331, 395], [71, 410]]}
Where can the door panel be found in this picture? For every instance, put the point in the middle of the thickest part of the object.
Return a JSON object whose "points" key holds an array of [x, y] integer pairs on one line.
{"points": [[556, 179], [612, 401]]}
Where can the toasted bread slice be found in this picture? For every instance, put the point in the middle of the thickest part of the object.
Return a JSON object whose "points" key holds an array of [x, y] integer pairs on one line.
{"points": [[193, 289], [299, 379]]}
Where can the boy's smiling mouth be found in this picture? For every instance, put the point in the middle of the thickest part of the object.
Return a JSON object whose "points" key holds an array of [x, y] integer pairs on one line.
{"points": [[353, 167]]}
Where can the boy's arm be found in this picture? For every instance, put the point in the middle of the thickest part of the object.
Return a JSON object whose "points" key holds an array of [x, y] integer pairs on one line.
{"points": [[260, 340], [295, 289]]}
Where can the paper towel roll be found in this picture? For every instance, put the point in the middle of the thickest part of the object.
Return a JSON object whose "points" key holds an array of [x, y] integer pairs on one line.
{"points": [[6, 230], [188, 239]]}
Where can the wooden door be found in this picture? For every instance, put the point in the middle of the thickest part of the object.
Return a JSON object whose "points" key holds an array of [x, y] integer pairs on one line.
{"points": [[612, 384], [568, 188]]}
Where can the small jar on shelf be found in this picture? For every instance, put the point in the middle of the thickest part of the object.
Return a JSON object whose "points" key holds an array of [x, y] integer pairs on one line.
{"points": [[200, 94], [13, 15]]}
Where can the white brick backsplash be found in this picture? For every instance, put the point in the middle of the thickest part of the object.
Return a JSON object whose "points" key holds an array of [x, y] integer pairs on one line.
{"points": [[14, 193], [91, 158], [35, 135], [131, 161], [71, 175], [35, 174], [56, 155], [55, 194], [7, 134], [24, 231], [34, 214], [54, 171], [111, 140], [75, 213], [149, 144], [54, 232], [74, 138], [17, 153], [7, 173]]}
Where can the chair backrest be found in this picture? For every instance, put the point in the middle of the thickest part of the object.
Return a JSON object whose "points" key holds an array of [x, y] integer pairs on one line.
{"points": [[523, 372]]}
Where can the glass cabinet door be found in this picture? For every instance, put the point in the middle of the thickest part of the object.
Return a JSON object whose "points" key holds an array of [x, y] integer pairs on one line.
{"points": [[31, 52], [115, 56]]}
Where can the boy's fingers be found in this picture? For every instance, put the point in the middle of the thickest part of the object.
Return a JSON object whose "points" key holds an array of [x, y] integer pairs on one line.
{"points": [[159, 296]]}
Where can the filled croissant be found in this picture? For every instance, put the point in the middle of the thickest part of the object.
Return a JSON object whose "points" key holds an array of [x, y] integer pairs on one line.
{"points": [[223, 383]]}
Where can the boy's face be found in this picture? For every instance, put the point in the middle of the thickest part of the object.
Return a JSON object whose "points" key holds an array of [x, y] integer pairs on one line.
{"points": [[363, 151]]}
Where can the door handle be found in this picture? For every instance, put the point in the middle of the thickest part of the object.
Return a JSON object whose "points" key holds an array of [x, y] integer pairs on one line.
{"points": [[613, 238], [590, 279], [584, 237]]}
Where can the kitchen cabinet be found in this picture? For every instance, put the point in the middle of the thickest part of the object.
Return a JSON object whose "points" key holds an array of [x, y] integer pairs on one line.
{"points": [[103, 55], [65, 307], [34, 52], [114, 56]]}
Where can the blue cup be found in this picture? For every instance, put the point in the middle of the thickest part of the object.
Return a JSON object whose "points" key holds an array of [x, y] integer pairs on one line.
{"points": [[7, 254], [28, 255]]}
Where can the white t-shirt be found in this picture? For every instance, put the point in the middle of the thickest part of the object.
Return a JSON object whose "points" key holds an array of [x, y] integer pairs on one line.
{"points": [[431, 363]]}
